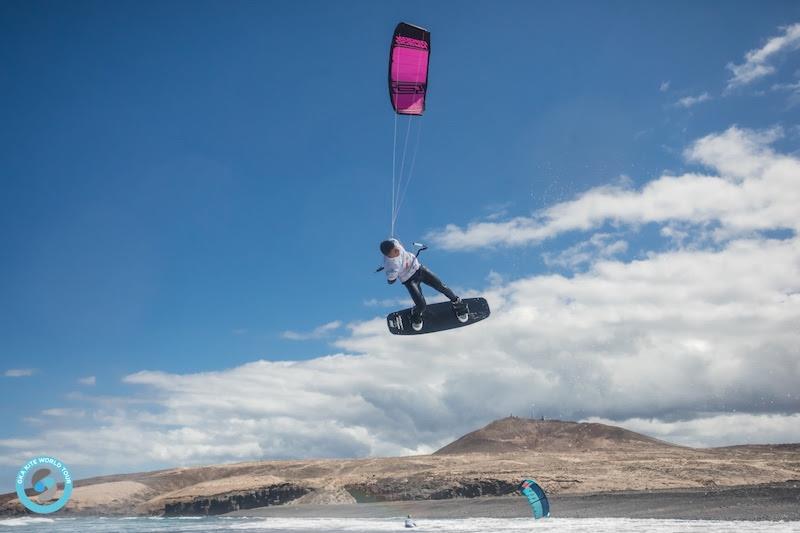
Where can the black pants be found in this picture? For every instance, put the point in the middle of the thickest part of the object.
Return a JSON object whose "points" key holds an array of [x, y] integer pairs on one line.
{"points": [[423, 275]]}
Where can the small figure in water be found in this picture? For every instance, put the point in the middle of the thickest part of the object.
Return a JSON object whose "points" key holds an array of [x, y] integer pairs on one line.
{"points": [[410, 522], [405, 266]]}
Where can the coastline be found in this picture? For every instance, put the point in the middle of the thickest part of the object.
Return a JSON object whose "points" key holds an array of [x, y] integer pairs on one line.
{"points": [[770, 502]]}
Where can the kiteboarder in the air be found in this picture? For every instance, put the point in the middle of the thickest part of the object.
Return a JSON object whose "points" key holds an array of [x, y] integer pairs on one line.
{"points": [[409, 58], [398, 263]]}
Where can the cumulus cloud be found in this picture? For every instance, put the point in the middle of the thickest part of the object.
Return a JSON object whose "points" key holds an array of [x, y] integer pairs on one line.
{"points": [[756, 63], [664, 87], [752, 188], [317, 333], [697, 345], [88, 380], [691, 101]]}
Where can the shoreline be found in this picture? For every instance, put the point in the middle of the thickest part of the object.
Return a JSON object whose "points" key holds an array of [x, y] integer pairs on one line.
{"points": [[767, 502]]}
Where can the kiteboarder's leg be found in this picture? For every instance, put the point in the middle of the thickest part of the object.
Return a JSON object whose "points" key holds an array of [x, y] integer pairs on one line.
{"points": [[429, 278], [412, 284]]}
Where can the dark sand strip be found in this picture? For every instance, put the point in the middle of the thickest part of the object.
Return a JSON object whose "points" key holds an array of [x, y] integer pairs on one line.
{"points": [[754, 502]]}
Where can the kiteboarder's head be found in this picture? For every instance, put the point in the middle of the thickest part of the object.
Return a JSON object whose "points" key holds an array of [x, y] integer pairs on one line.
{"points": [[389, 248]]}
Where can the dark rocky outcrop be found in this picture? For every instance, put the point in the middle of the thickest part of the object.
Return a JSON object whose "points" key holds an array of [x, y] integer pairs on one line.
{"points": [[225, 503], [429, 488]]}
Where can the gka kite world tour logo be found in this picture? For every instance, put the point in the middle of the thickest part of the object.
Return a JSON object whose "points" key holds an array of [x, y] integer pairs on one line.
{"points": [[39, 483]]}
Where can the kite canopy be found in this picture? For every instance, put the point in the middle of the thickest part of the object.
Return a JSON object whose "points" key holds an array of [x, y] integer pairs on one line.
{"points": [[408, 68], [536, 497], [408, 86]]}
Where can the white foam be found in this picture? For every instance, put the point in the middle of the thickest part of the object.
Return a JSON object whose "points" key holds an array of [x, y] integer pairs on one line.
{"points": [[378, 525], [25, 521], [520, 525]]}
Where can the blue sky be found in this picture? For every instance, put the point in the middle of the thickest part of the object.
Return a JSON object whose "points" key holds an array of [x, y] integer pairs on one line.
{"points": [[182, 183]]}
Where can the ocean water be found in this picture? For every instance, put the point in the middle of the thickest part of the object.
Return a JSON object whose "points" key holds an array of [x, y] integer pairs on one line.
{"points": [[363, 525]]}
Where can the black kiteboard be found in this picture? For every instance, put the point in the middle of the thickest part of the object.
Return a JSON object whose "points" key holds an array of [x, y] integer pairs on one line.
{"points": [[438, 317]]}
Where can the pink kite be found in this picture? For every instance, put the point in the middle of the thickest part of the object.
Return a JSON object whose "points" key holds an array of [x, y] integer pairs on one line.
{"points": [[408, 68]]}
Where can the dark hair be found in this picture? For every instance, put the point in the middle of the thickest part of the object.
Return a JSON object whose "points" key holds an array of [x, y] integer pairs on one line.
{"points": [[386, 247]]}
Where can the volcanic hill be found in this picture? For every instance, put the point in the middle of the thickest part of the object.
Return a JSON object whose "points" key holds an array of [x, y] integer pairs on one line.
{"points": [[514, 434]]}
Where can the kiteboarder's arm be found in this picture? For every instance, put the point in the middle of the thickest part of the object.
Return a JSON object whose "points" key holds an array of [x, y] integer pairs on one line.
{"points": [[391, 272]]}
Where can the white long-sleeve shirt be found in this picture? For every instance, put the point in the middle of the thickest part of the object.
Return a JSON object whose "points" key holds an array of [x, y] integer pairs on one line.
{"points": [[401, 267]]}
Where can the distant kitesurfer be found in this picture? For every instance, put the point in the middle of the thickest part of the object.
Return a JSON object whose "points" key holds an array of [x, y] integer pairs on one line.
{"points": [[405, 266], [410, 522]]}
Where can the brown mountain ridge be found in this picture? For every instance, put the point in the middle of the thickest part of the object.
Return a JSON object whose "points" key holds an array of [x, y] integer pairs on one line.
{"points": [[514, 434]]}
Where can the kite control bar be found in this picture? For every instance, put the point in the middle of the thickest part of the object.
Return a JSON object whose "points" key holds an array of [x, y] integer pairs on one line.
{"points": [[420, 248]]}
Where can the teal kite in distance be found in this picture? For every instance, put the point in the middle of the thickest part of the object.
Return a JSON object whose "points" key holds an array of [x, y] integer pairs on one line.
{"points": [[536, 497]]}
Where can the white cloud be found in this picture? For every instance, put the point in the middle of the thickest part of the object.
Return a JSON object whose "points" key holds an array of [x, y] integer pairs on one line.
{"points": [[792, 88], [664, 87], [388, 302], [698, 345], [691, 101], [684, 334], [718, 430], [600, 245], [753, 189], [19, 372], [64, 412], [317, 333], [497, 210], [757, 61], [495, 279], [88, 380]]}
